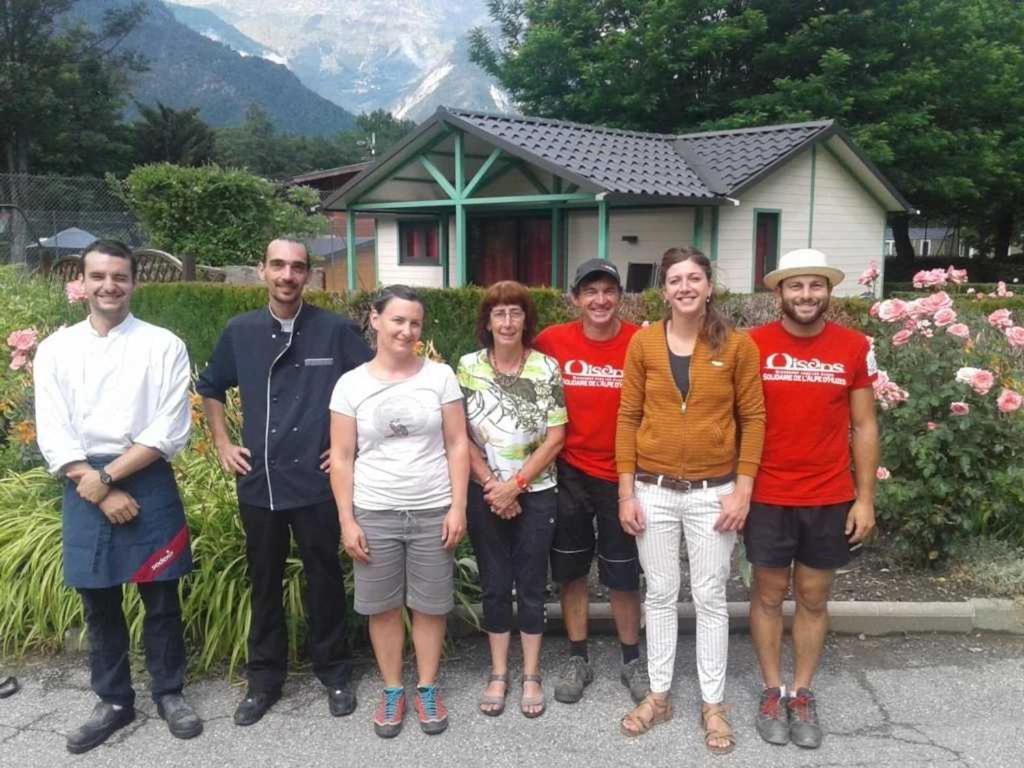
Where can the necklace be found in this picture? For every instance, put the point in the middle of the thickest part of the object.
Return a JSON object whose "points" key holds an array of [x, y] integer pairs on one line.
{"points": [[506, 380]]}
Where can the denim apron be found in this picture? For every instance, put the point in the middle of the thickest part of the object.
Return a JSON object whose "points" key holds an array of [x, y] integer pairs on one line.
{"points": [[152, 547]]}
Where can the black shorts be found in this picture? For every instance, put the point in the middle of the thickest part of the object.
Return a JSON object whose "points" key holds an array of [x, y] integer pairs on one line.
{"points": [[581, 499], [814, 536]]}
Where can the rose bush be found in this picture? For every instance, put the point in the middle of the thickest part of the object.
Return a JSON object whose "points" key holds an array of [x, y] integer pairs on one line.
{"points": [[953, 427]]}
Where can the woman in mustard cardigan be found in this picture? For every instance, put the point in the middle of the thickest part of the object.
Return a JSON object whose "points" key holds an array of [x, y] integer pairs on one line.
{"points": [[688, 443]]}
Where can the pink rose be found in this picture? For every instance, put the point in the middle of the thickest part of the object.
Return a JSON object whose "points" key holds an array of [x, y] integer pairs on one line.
{"points": [[1009, 401], [982, 382], [960, 330], [892, 310], [956, 276], [75, 291], [23, 340], [1015, 335], [959, 408], [932, 426], [944, 317], [873, 312], [964, 375], [936, 301], [1001, 318], [930, 278], [19, 360], [869, 275], [882, 473], [901, 337]]}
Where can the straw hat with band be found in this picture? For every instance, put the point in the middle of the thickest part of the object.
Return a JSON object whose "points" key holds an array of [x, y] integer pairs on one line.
{"points": [[803, 261]]}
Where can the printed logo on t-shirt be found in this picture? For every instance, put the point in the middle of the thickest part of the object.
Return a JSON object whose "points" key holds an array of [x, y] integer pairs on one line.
{"points": [[580, 373], [400, 416], [781, 366]]}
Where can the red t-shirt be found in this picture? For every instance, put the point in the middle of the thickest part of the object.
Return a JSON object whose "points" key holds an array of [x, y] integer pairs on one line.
{"points": [[807, 385], [592, 380]]}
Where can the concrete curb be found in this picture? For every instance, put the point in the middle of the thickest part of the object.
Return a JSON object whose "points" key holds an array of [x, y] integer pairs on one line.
{"points": [[846, 618]]}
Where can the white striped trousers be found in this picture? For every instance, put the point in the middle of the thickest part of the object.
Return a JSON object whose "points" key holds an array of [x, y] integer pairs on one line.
{"points": [[669, 515]]}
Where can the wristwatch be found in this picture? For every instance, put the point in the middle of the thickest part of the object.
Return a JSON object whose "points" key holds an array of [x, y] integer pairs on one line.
{"points": [[105, 478]]}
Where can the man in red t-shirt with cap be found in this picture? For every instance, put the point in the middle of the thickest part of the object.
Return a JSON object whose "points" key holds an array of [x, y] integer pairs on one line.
{"points": [[808, 510], [591, 352]]}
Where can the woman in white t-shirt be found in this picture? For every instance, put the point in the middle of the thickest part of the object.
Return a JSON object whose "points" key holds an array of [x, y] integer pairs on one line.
{"points": [[399, 472]]}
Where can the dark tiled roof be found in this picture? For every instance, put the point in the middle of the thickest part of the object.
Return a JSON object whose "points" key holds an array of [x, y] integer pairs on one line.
{"points": [[619, 161], [738, 156], [631, 162]]}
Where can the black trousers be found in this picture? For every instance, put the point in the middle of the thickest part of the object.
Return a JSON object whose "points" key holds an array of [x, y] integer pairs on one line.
{"points": [[513, 554], [162, 639], [318, 536]]}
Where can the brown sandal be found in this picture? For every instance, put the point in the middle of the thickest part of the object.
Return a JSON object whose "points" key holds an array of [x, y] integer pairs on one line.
{"points": [[527, 703], [647, 714], [495, 704], [711, 734]]}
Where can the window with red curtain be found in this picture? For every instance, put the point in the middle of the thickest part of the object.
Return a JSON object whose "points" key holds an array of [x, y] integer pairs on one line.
{"points": [[417, 243]]}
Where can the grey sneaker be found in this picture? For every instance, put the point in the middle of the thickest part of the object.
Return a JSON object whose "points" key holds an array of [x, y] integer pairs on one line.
{"points": [[804, 730], [772, 717], [576, 675], [634, 677]]}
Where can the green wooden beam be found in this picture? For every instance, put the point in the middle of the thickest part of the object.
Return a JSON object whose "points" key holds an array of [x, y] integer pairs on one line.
{"points": [[714, 233], [513, 200], [350, 252], [460, 164], [466, 155], [442, 182], [698, 228], [461, 265], [556, 184], [481, 173], [810, 215], [602, 229], [556, 246], [442, 244]]}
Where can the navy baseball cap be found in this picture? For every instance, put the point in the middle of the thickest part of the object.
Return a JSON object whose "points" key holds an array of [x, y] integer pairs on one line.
{"points": [[590, 267]]}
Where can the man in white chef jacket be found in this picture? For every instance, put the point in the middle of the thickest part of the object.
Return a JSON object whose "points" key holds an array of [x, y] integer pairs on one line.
{"points": [[112, 410]]}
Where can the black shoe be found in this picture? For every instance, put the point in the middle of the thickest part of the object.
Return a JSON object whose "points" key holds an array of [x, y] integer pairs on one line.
{"points": [[9, 687], [804, 730], [772, 717], [103, 722], [182, 720], [576, 674], [341, 700], [254, 706]]}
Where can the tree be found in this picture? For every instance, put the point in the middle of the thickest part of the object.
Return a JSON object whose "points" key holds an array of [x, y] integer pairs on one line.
{"points": [[933, 90], [219, 216], [61, 88], [166, 135]]}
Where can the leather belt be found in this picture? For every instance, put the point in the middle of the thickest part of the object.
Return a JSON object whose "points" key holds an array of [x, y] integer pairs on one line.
{"points": [[681, 483]]}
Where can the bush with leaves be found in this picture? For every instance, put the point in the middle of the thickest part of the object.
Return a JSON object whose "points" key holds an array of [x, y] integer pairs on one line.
{"points": [[952, 425], [218, 215]]}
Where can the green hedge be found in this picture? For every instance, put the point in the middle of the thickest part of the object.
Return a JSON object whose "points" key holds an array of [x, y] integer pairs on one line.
{"points": [[198, 312]]}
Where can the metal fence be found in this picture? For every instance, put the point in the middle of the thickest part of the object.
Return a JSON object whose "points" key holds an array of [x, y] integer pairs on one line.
{"points": [[34, 209]]}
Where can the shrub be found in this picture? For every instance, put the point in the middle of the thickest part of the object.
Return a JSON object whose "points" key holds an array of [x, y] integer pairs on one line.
{"points": [[219, 216], [953, 439]]}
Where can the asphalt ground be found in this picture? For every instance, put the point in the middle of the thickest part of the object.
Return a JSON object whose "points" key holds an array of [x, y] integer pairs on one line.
{"points": [[914, 700]]}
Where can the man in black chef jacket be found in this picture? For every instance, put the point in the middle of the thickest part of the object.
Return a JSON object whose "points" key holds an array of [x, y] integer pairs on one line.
{"points": [[285, 360]]}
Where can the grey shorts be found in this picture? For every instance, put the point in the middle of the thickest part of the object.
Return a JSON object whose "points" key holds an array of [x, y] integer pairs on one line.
{"points": [[408, 563]]}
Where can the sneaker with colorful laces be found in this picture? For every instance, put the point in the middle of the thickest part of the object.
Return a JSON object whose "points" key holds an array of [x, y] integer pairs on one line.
{"points": [[387, 720], [772, 719], [431, 710], [804, 730]]}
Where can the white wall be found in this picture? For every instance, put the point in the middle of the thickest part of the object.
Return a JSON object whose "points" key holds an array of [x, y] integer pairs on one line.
{"points": [[849, 226], [656, 230], [788, 190], [388, 269], [848, 223]]}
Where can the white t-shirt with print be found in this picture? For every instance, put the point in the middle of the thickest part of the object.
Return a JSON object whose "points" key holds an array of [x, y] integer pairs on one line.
{"points": [[401, 461]]}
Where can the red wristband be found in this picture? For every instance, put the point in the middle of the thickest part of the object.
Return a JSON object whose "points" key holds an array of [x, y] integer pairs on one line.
{"points": [[521, 481]]}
